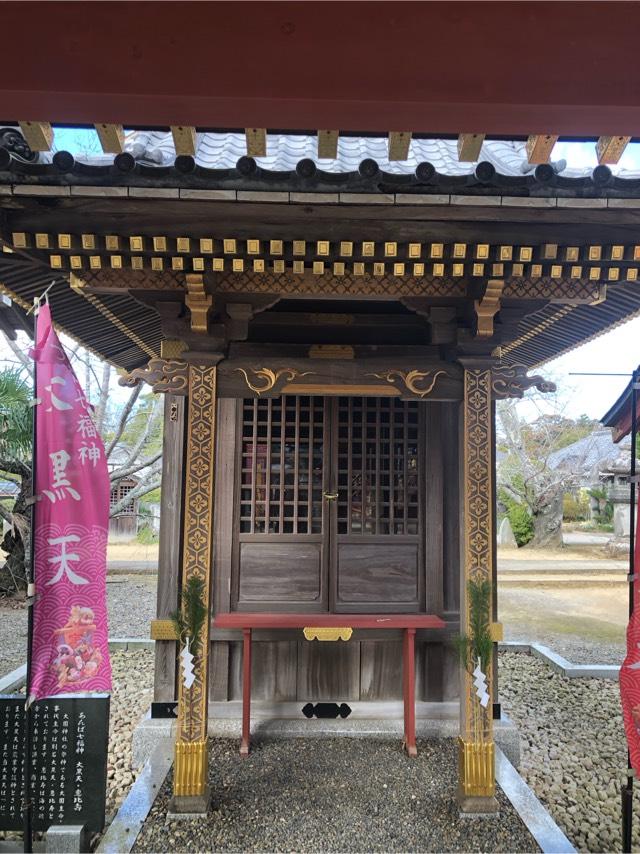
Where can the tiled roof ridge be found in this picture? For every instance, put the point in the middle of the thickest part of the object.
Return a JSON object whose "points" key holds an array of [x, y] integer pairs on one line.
{"points": [[292, 163]]}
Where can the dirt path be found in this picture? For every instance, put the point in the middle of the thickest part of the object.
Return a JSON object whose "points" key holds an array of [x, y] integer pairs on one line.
{"points": [[585, 624]]}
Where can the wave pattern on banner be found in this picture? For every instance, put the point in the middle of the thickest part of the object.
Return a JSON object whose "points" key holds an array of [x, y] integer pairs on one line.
{"points": [[72, 658]]}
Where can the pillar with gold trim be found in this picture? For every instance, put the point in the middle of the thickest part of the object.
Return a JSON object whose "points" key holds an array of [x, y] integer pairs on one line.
{"points": [[476, 791], [190, 780]]}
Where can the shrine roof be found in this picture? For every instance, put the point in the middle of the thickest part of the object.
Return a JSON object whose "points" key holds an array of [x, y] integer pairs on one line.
{"points": [[618, 416], [362, 164], [502, 216], [120, 330]]}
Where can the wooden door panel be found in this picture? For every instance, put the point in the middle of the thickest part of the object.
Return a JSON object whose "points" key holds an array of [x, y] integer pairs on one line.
{"points": [[280, 556], [377, 527], [381, 575], [361, 548], [280, 572]]}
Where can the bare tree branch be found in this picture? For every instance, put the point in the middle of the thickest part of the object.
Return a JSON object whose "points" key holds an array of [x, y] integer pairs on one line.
{"points": [[144, 436], [19, 353], [126, 471], [124, 417], [85, 359], [141, 489], [104, 394]]}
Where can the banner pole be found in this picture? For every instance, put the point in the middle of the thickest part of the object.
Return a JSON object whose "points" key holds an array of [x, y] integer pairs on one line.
{"points": [[30, 574], [627, 789]]}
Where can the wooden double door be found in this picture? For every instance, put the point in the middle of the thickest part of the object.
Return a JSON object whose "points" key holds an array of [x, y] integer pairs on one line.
{"points": [[330, 505]]}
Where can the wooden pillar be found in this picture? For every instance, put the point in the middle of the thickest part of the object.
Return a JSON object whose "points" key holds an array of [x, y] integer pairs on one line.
{"points": [[169, 558], [476, 755], [190, 781]]}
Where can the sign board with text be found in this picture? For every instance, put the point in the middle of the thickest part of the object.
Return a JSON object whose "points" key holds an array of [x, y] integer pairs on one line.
{"points": [[68, 761]]}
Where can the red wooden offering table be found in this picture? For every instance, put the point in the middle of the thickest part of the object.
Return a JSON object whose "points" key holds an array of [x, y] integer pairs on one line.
{"points": [[408, 622]]}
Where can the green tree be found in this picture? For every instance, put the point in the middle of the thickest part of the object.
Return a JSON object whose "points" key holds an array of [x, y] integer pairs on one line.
{"points": [[15, 465], [532, 484]]}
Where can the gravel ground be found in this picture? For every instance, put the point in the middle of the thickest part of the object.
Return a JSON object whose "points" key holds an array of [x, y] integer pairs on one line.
{"points": [[578, 650], [573, 748], [333, 795], [131, 600], [130, 699], [131, 603]]}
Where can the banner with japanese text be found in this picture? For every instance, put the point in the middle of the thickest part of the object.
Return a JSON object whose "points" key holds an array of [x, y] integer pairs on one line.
{"points": [[70, 635], [630, 670]]}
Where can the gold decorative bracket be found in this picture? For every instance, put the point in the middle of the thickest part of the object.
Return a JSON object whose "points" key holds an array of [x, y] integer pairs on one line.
{"points": [[163, 375], [497, 632], [266, 379], [512, 381], [327, 634], [163, 630], [419, 383], [198, 302], [488, 307]]}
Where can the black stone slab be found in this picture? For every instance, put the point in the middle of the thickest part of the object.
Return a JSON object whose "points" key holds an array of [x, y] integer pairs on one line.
{"points": [[69, 761]]}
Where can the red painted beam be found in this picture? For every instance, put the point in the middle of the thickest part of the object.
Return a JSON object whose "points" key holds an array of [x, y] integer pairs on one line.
{"points": [[444, 67], [250, 620]]}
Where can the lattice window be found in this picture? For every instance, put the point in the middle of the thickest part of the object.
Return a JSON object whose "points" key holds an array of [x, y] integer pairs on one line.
{"points": [[282, 466], [117, 494], [377, 466]]}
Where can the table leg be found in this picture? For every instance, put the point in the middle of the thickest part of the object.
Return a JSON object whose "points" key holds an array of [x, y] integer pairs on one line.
{"points": [[246, 692], [409, 691]]}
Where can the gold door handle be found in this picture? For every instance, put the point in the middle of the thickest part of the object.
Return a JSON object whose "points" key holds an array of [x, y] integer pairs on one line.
{"points": [[330, 496]]}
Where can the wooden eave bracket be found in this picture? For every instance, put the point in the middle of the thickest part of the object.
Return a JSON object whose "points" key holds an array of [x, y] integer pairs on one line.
{"points": [[111, 137], [539, 147], [469, 147], [512, 381], [239, 315], [609, 149], [487, 308], [38, 135], [198, 301], [184, 140]]}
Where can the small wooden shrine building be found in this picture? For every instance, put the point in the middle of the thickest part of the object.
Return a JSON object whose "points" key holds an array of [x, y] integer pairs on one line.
{"points": [[332, 320], [331, 315]]}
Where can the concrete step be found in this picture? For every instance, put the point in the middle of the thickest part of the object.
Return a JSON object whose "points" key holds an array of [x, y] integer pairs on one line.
{"points": [[544, 580]]}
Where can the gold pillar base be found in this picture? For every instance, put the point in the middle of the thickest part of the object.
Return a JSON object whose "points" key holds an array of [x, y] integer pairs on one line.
{"points": [[190, 769], [477, 769]]}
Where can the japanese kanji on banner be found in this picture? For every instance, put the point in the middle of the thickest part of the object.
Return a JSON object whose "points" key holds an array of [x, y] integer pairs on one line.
{"points": [[630, 670], [70, 635]]}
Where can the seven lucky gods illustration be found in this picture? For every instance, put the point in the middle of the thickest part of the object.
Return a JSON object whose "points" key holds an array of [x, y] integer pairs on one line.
{"points": [[77, 659]]}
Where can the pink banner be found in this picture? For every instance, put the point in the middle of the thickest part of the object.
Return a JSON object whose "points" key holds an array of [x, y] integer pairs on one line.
{"points": [[630, 670], [70, 637]]}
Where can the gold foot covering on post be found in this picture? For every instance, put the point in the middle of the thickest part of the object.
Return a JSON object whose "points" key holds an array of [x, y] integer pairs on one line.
{"points": [[191, 769], [477, 769]]}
